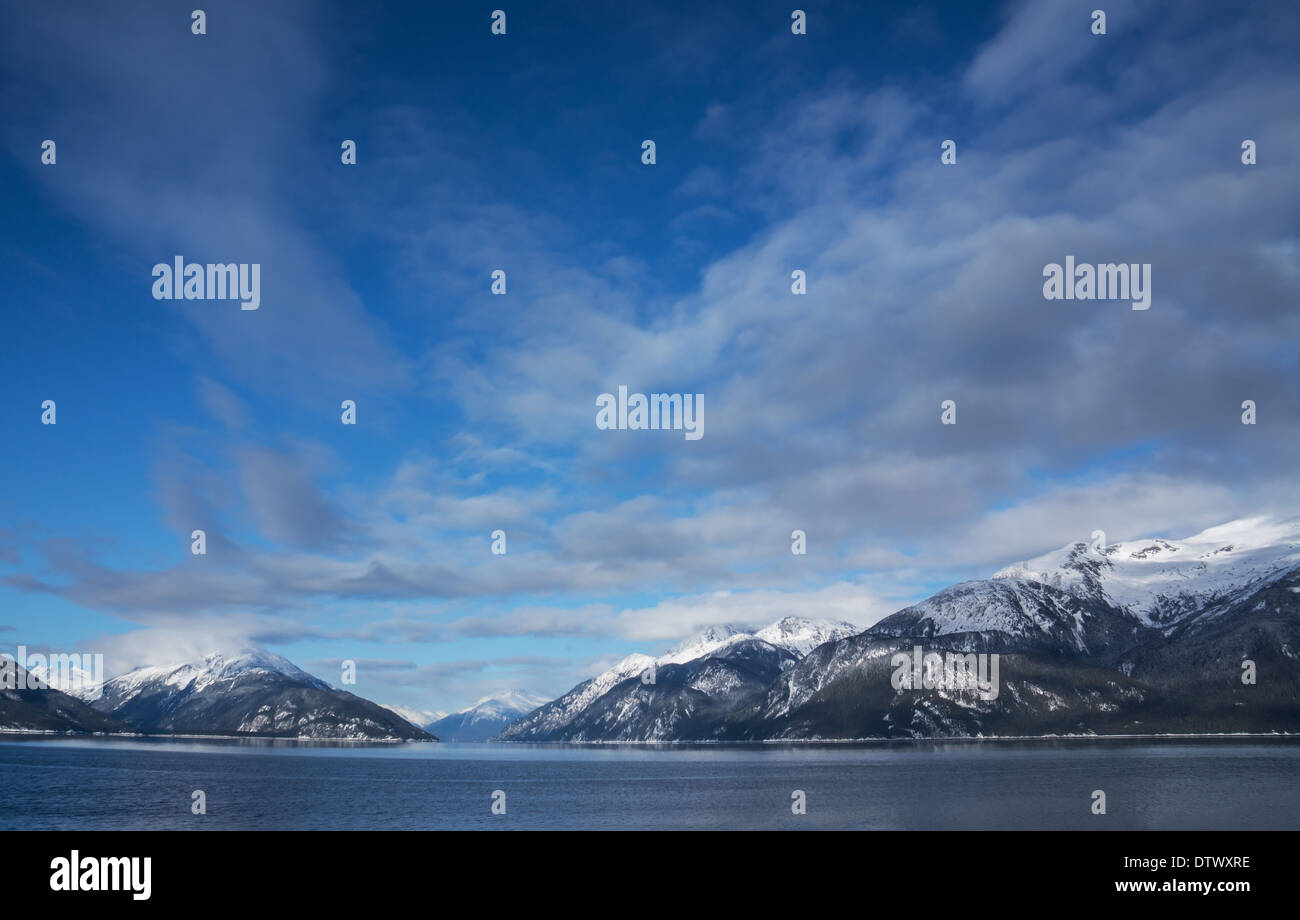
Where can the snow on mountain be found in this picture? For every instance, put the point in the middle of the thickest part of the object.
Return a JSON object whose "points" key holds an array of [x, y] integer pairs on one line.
{"points": [[485, 719], [38, 707], [1080, 600], [1013, 614], [797, 635], [215, 669], [801, 635], [252, 692], [697, 646], [560, 712], [511, 704], [1138, 637], [1159, 581], [74, 681], [420, 717], [790, 636]]}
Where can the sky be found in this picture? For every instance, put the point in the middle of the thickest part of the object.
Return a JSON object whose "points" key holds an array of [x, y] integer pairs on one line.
{"points": [[475, 412]]}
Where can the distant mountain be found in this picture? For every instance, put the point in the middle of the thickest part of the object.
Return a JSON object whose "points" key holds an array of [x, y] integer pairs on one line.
{"points": [[694, 687], [690, 701], [549, 722], [484, 720], [256, 693], [40, 708], [1143, 637], [71, 679], [419, 717]]}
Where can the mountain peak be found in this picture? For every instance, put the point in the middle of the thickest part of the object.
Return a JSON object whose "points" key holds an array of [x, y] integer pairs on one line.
{"points": [[1154, 578], [519, 701], [219, 666], [251, 691], [794, 633], [709, 639], [708, 663], [803, 634], [485, 719]]}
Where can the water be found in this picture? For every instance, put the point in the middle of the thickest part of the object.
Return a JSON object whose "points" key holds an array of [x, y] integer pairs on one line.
{"points": [[92, 784]]}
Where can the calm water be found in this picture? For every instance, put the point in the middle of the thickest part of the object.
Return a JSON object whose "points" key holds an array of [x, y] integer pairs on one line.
{"points": [[110, 784]]}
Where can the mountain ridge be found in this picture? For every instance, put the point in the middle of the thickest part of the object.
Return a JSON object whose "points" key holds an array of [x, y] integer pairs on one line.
{"points": [[1139, 637], [690, 689], [254, 692]]}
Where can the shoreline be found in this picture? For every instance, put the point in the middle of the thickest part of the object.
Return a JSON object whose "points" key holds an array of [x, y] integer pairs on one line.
{"points": [[147, 736], [953, 739], [964, 739]]}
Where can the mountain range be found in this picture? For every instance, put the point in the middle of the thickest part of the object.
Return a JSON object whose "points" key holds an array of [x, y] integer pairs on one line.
{"points": [[1200, 635], [1155, 636], [687, 694]]}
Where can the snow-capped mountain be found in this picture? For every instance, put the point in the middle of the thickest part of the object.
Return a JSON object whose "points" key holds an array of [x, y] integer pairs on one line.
{"points": [[546, 721], [1194, 635], [697, 700], [1011, 614], [800, 635], [1161, 581], [254, 692], [421, 717], [40, 708], [797, 635], [1139, 637], [215, 670], [74, 681], [484, 720], [1081, 600], [511, 701], [690, 687]]}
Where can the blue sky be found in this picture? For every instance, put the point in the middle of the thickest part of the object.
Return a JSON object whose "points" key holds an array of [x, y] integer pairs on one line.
{"points": [[476, 412]]}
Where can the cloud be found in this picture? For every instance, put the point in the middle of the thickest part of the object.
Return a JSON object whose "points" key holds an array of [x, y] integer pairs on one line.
{"points": [[1039, 46], [822, 410], [289, 508], [205, 187], [223, 404]]}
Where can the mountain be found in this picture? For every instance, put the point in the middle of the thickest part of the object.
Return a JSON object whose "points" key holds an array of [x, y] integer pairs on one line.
{"points": [[421, 717], [256, 693], [548, 722], [800, 635], [484, 720], [687, 701], [690, 693], [41, 708], [70, 679], [1147, 636], [1142, 637], [1012, 614], [1162, 582]]}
